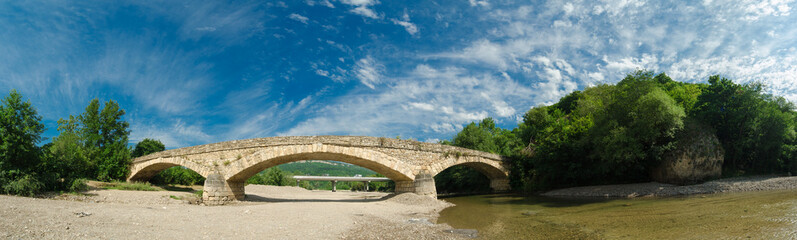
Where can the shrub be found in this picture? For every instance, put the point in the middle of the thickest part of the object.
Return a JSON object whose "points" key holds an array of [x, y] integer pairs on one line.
{"points": [[26, 185], [78, 185], [178, 175]]}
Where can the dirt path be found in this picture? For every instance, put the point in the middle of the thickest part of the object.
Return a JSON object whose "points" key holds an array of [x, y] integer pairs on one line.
{"points": [[268, 213]]}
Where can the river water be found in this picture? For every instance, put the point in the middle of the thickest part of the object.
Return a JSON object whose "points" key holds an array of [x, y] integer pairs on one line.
{"points": [[747, 215]]}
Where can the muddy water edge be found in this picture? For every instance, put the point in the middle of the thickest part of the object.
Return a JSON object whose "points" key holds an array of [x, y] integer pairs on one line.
{"points": [[755, 215]]}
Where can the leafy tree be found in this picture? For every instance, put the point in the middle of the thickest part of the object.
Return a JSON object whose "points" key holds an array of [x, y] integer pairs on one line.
{"points": [[178, 175], [484, 136], [105, 136], [754, 128], [272, 176], [147, 146], [20, 131], [66, 157]]}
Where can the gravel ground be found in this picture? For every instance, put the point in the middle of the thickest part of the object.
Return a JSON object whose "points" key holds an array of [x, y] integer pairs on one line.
{"points": [[654, 189], [268, 213]]}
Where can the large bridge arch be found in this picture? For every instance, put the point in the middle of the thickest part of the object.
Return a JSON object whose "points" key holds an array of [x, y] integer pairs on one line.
{"points": [[145, 171], [269, 157]]}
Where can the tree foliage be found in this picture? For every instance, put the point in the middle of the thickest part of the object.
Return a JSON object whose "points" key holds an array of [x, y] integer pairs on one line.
{"points": [[147, 146], [272, 176], [178, 175], [20, 132], [617, 133], [756, 129], [482, 136]]}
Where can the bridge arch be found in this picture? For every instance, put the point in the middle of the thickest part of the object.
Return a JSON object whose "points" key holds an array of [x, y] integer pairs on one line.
{"points": [[144, 172], [495, 171], [270, 157]]}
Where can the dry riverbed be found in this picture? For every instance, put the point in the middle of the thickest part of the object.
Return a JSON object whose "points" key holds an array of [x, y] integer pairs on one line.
{"points": [[268, 213]]}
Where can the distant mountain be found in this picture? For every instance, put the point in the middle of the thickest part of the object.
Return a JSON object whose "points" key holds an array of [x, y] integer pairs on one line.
{"points": [[320, 168]]}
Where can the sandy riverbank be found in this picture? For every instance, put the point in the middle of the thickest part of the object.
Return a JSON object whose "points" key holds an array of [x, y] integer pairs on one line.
{"points": [[268, 213], [654, 189]]}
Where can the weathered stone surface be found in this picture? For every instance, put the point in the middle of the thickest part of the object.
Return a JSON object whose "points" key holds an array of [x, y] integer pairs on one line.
{"points": [[411, 164], [697, 157]]}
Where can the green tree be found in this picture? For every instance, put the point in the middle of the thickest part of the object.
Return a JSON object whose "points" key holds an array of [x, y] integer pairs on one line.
{"points": [[105, 137], [66, 158], [754, 128], [20, 131], [484, 136], [147, 146], [272, 176], [178, 175]]}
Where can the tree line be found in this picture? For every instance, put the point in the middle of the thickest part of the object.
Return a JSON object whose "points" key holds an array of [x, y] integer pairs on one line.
{"points": [[616, 133], [90, 146]]}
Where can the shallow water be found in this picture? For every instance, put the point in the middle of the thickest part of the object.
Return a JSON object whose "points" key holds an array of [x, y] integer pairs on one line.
{"points": [[754, 215]]}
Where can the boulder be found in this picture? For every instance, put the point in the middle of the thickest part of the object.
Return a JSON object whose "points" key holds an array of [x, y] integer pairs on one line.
{"points": [[697, 156]]}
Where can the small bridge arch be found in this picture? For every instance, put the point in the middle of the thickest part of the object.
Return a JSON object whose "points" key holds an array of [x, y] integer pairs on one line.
{"points": [[410, 164]]}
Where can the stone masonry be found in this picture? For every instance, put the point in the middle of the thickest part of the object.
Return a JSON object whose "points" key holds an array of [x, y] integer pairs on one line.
{"points": [[412, 165]]}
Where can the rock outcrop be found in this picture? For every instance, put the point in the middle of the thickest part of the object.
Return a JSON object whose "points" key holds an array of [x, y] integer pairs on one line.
{"points": [[697, 157]]}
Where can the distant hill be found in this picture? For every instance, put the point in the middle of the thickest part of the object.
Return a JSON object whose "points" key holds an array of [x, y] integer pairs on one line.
{"points": [[332, 168], [319, 168]]}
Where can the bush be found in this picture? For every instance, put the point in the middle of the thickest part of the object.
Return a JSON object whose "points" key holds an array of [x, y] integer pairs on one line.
{"points": [[26, 185], [272, 176], [78, 185], [178, 175]]}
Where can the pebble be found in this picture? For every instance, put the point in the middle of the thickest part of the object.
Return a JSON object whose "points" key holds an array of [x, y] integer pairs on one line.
{"points": [[82, 214]]}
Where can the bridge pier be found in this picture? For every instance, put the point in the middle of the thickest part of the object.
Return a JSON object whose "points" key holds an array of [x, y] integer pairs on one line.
{"points": [[218, 191], [423, 185]]}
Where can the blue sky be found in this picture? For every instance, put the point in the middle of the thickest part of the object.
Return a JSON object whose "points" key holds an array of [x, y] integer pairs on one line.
{"points": [[196, 72]]}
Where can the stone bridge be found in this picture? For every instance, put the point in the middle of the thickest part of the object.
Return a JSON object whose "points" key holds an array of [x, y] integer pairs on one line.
{"points": [[410, 164]]}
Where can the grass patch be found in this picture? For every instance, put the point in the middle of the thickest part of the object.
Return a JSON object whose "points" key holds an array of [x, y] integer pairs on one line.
{"points": [[175, 197], [134, 186]]}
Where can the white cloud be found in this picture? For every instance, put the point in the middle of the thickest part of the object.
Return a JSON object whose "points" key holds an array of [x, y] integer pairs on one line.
{"points": [[763, 8], [405, 22], [438, 100], [361, 7], [322, 73], [176, 135], [482, 3], [422, 106], [365, 12], [327, 4], [298, 17], [368, 71]]}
